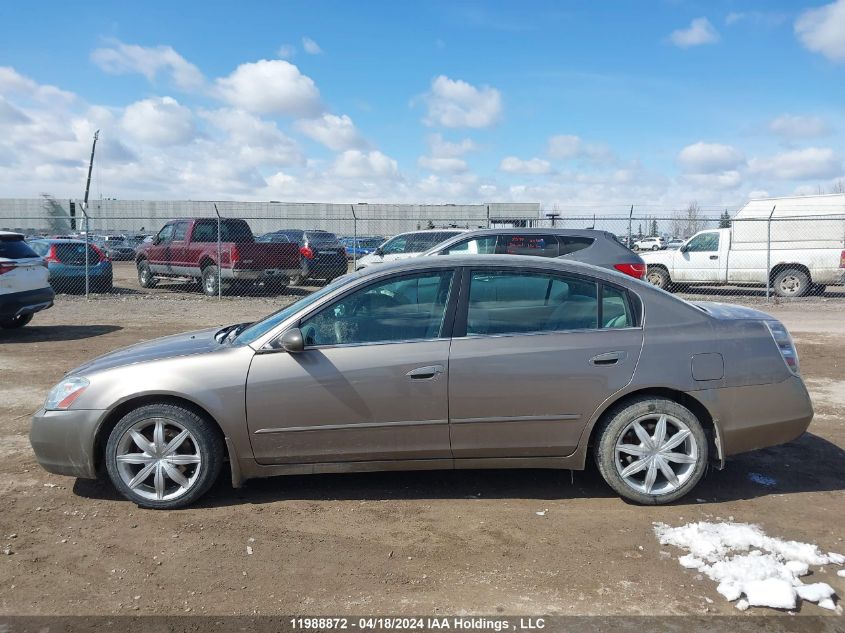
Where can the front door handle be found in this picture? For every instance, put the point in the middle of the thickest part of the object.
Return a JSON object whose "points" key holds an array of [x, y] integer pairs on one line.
{"points": [[609, 358], [714, 257], [425, 373]]}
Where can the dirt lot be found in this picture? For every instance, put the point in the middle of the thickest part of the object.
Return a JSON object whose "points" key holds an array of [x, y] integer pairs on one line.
{"points": [[441, 542]]}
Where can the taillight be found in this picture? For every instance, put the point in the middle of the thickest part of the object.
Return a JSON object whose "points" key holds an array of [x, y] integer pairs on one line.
{"points": [[52, 257], [306, 252], [634, 270], [5, 268], [234, 255], [785, 344], [842, 260], [103, 257]]}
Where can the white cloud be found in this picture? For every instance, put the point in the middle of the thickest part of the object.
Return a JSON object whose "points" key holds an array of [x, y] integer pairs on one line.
{"points": [[311, 47], [533, 166], [456, 103], [822, 30], [159, 122], [796, 126], [121, 59], [354, 163], [709, 158], [443, 164], [730, 179], [286, 51], [12, 82], [335, 132], [254, 141], [700, 31], [270, 86], [570, 146], [441, 148], [810, 163]]}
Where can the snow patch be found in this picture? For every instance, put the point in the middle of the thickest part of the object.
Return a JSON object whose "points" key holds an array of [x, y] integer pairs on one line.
{"points": [[748, 564]]}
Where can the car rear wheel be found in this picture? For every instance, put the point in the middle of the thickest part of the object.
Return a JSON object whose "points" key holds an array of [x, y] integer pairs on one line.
{"points": [[15, 322], [791, 282], [658, 276], [655, 248], [651, 450], [163, 456], [210, 281], [145, 275]]}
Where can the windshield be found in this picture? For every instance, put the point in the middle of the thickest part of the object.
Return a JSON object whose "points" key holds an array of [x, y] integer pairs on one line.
{"points": [[260, 328]]}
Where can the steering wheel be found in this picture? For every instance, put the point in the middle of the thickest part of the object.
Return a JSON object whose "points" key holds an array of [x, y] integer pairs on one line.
{"points": [[370, 303]]}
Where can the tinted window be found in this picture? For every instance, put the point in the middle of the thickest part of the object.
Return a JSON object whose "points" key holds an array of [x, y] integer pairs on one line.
{"points": [[15, 249], [571, 244], [321, 236], [73, 253], [615, 311], [508, 302], [419, 242], [231, 231], [179, 231], [706, 242], [537, 245], [485, 245], [396, 245], [408, 308], [165, 234]]}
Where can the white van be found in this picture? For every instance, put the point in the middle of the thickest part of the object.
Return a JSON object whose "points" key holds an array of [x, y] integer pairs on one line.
{"points": [[406, 245], [800, 251]]}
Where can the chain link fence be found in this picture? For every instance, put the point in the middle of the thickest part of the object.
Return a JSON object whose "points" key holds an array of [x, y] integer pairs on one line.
{"points": [[225, 251]]}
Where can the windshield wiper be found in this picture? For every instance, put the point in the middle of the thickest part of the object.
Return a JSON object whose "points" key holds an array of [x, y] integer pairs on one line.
{"points": [[232, 334]]}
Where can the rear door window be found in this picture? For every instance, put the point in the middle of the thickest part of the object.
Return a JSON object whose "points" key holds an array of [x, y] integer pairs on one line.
{"points": [[528, 244], [485, 245], [15, 249]]}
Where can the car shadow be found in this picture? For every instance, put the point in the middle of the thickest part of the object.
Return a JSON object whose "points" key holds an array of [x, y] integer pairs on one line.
{"points": [[44, 333], [809, 464]]}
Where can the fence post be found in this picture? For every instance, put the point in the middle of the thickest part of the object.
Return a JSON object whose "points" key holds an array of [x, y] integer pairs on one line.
{"points": [[769, 253], [354, 238], [87, 239], [219, 258]]}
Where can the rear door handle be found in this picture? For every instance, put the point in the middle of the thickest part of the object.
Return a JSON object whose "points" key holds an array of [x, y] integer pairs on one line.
{"points": [[608, 358], [425, 373]]}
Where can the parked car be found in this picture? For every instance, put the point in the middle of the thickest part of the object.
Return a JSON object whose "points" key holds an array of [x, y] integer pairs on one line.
{"points": [[323, 255], [807, 250], [649, 244], [584, 245], [188, 249], [24, 285], [66, 264], [359, 246], [118, 250], [437, 363], [674, 244], [405, 245]]}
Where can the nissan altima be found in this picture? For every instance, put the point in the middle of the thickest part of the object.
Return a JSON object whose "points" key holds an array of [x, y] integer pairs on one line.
{"points": [[437, 363]]}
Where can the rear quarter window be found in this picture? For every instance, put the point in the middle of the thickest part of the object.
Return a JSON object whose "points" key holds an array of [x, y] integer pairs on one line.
{"points": [[570, 244], [537, 245], [16, 249]]}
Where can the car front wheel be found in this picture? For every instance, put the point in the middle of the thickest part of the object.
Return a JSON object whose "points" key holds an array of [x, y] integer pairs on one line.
{"points": [[651, 450], [163, 456], [145, 275]]}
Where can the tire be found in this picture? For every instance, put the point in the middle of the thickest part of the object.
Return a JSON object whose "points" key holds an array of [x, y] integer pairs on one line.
{"points": [[200, 456], [210, 281], [791, 282], [655, 248], [16, 322], [657, 276], [297, 280], [618, 429], [145, 275]]}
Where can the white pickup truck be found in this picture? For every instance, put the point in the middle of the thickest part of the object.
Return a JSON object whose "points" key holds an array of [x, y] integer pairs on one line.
{"points": [[797, 244]]}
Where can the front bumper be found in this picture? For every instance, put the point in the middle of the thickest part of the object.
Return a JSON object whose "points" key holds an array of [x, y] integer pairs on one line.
{"points": [[63, 441], [759, 416], [27, 302]]}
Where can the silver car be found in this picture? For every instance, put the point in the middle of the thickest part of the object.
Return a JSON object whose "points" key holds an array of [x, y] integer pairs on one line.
{"points": [[437, 363]]}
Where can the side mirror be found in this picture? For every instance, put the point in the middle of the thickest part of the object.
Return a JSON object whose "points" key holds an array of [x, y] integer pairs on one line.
{"points": [[683, 248], [292, 341], [155, 241], [379, 252]]}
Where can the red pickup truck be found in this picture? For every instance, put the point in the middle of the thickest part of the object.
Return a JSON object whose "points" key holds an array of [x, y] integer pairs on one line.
{"points": [[188, 249]]}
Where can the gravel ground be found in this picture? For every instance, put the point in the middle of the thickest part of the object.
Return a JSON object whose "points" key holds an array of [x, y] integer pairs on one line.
{"points": [[439, 542]]}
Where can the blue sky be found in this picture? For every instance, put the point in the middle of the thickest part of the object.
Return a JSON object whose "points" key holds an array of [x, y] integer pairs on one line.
{"points": [[575, 104]]}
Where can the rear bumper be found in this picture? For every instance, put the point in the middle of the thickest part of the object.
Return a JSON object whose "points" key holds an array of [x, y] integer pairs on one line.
{"points": [[759, 416], [325, 267], [258, 275], [27, 302], [63, 441]]}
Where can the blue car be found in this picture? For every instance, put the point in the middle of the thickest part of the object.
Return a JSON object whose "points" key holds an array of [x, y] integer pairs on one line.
{"points": [[360, 246], [66, 262]]}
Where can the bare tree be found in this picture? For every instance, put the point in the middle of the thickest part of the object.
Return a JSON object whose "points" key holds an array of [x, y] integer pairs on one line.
{"points": [[839, 186], [689, 221]]}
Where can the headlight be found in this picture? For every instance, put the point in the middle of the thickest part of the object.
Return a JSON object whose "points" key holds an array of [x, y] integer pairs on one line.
{"points": [[65, 393]]}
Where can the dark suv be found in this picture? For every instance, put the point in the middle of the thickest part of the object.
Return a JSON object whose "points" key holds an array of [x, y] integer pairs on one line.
{"points": [[323, 255], [599, 248]]}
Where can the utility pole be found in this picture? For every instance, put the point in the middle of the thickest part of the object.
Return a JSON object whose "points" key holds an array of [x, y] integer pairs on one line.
{"points": [[85, 212]]}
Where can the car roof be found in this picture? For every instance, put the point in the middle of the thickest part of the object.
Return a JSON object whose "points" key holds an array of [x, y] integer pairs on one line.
{"points": [[61, 240], [11, 234], [444, 229], [542, 231]]}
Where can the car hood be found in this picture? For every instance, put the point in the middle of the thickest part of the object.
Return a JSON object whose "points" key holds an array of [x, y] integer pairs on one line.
{"points": [[187, 344], [730, 311]]}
